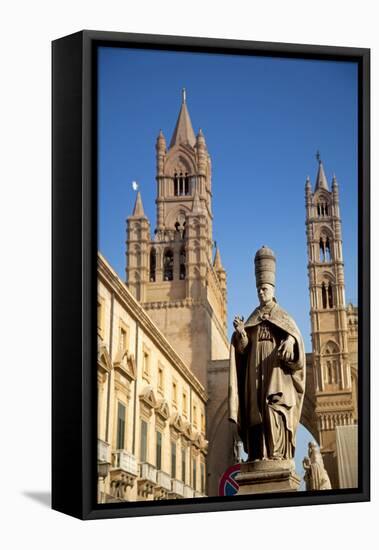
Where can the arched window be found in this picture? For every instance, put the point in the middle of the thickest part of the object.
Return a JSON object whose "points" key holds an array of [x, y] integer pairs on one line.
{"points": [[323, 294], [329, 372], [186, 184], [176, 184], [322, 249], [153, 264], [332, 375], [181, 184], [330, 295], [327, 294], [328, 255], [322, 207], [168, 265], [182, 264], [325, 250]]}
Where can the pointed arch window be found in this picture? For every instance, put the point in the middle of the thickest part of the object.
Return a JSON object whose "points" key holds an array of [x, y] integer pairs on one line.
{"points": [[153, 265], [327, 295], [330, 296], [168, 265], [332, 375], [324, 296], [322, 209], [325, 251], [181, 184], [182, 263]]}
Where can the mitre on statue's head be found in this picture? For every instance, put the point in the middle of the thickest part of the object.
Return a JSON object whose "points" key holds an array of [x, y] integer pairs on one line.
{"points": [[265, 266]]}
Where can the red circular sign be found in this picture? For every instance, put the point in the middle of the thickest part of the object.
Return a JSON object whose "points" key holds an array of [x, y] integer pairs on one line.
{"points": [[228, 486]]}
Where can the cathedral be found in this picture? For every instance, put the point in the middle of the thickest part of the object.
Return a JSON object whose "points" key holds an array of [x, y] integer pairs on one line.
{"points": [[175, 278]]}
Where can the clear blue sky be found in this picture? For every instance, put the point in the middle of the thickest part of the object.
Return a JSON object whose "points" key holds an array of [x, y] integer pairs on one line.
{"points": [[263, 120]]}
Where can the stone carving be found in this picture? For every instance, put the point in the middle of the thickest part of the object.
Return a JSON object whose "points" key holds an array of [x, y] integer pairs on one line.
{"points": [[119, 486], [316, 477], [237, 451], [267, 372]]}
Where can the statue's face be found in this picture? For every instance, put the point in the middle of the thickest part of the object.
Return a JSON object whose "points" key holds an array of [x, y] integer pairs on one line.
{"points": [[265, 293]]}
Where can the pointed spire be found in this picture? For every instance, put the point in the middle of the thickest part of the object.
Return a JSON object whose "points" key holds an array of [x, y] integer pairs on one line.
{"points": [[161, 142], [217, 264], [321, 181], [308, 183], [138, 211], [334, 181], [183, 132]]}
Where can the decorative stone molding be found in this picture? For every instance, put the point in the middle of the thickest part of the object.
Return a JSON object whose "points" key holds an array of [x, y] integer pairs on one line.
{"points": [[200, 442], [189, 432], [104, 363], [176, 425], [120, 481], [147, 479], [162, 411], [125, 364], [148, 401]]}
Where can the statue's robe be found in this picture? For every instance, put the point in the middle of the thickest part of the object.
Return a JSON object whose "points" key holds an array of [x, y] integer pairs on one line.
{"points": [[265, 393], [316, 478]]}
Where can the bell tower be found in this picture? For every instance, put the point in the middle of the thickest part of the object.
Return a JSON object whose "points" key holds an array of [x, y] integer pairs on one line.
{"points": [[181, 285], [329, 327]]}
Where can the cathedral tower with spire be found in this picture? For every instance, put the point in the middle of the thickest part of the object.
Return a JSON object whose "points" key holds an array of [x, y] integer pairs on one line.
{"points": [[333, 377], [173, 273]]}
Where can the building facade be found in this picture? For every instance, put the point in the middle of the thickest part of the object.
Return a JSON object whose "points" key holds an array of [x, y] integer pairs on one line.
{"points": [[151, 407]]}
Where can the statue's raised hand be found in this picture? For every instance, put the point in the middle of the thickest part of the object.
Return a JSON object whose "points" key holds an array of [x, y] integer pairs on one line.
{"points": [[239, 324]]}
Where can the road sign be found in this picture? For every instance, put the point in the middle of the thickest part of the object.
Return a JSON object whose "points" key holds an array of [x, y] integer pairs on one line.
{"points": [[228, 485]]}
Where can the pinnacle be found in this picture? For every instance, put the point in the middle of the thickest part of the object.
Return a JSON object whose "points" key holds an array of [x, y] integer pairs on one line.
{"points": [[321, 181], [138, 207], [217, 264], [183, 132]]}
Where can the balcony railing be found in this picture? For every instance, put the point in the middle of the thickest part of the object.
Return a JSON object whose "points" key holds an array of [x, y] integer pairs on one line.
{"points": [[123, 460], [188, 492], [164, 480], [103, 451], [177, 487], [148, 472]]}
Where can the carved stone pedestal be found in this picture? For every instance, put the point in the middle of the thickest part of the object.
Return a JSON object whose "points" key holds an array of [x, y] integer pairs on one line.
{"points": [[267, 476]]}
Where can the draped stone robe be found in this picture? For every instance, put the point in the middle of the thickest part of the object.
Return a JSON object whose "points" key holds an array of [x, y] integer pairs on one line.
{"points": [[265, 393]]}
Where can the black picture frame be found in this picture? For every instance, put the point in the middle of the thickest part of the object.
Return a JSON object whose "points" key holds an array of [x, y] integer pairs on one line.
{"points": [[74, 205]]}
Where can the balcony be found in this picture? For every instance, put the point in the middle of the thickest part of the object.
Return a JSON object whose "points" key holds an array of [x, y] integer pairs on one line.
{"points": [[103, 451], [123, 473], [176, 489], [103, 458], [198, 494], [188, 492], [125, 461], [147, 479], [163, 487]]}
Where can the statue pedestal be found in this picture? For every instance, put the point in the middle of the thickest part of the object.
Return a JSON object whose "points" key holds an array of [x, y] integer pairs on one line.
{"points": [[267, 476]]}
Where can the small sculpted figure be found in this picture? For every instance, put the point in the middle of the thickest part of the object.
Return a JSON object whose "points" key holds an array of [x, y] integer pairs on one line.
{"points": [[316, 477], [267, 372]]}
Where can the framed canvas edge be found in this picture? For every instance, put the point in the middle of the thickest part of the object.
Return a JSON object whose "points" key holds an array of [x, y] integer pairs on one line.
{"points": [[83, 497]]}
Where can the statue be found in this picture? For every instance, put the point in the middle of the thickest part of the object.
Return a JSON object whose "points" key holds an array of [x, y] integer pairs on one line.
{"points": [[267, 372], [237, 451], [316, 477]]}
